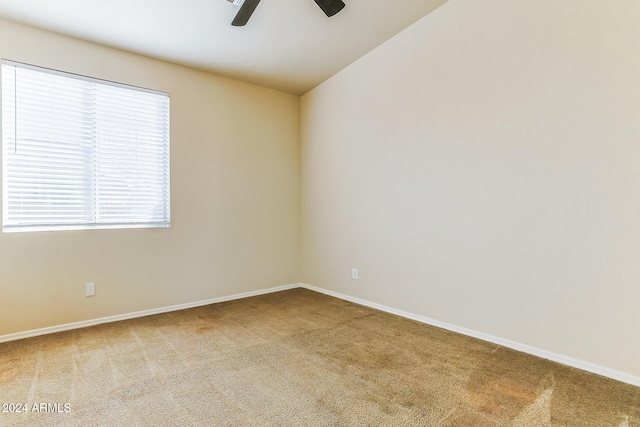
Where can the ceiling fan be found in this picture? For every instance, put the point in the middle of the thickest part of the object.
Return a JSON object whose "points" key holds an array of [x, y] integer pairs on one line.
{"points": [[329, 7]]}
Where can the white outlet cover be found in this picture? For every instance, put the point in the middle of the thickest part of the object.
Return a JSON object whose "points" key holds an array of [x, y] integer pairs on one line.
{"points": [[354, 274], [90, 289]]}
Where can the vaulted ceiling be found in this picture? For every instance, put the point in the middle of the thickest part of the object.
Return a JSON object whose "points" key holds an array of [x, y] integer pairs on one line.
{"points": [[289, 45]]}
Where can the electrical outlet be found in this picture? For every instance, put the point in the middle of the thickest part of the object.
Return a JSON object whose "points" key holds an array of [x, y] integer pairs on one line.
{"points": [[90, 289], [355, 274]]}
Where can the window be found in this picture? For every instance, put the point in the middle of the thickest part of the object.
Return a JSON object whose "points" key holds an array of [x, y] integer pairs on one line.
{"points": [[81, 153]]}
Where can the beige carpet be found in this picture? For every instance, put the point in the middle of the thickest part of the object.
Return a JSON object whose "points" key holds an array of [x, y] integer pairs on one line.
{"points": [[295, 358]]}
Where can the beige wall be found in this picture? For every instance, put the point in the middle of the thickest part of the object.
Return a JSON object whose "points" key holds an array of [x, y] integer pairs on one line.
{"points": [[482, 168], [234, 197]]}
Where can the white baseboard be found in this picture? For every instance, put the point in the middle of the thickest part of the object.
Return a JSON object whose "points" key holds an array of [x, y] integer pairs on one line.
{"points": [[575, 363], [126, 316], [579, 364]]}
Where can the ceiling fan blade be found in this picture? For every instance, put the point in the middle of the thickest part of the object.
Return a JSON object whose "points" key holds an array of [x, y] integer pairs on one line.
{"points": [[330, 7], [245, 12]]}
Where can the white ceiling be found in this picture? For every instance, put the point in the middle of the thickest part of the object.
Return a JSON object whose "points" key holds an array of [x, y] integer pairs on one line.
{"points": [[289, 45]]}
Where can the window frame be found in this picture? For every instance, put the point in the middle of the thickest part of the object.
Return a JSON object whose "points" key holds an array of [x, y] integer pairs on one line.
{"points": [[91, 215]]}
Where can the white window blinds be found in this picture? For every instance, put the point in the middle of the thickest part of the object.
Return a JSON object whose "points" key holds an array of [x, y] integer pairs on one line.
{"points": [[82, 153]]}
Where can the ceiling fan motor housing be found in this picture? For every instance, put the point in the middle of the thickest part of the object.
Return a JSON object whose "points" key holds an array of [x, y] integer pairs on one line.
{"points": [[329, 7]]}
